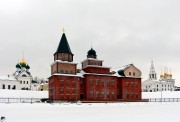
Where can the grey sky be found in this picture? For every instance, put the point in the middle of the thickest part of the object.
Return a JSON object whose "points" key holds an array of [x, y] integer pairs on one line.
{"points": [[122, 32]]}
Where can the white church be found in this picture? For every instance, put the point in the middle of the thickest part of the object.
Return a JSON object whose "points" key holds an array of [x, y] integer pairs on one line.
{"points": [[165, 83], [20, 80]]}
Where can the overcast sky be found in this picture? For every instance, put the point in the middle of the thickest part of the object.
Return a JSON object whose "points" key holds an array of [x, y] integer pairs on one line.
{"points": [[122, 32]]}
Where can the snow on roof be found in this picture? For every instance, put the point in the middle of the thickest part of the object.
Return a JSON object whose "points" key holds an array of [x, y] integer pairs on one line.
{"points": [[100, 74], [122, 68], [7, 77], [96, 66], [63, 62], [72, 75], [91, 59]]}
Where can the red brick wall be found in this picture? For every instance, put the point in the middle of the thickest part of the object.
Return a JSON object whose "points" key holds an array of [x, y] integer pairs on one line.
{"points": [[100, 87], [129, 88], [91, 62], [63, 57], [97, 70], [64, 88], [63, 68]]}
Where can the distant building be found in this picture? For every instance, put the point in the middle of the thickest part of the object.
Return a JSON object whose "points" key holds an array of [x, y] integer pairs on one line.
{"points": [[8, 82], [20, 80], [43, 87], [177, 88], [165, 83], [94, 82]]}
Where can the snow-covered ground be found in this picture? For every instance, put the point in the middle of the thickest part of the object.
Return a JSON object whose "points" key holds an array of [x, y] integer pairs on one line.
{"points": [[165, 94], [111, 112], [92, 112], [23, 94]]}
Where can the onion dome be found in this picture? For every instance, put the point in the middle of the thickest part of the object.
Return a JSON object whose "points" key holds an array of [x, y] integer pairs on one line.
{"points": [[91, 53], [27, 66], [18, 66], [23, 61], [23, 65]]}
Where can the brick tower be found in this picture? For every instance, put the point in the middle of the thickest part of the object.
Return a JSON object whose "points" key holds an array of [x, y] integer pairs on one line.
{"points": [[99, 83], [64, 81]]}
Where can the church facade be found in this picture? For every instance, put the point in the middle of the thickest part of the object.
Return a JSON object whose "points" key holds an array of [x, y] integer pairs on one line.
{"points": [[165, 83], [94, 82]]}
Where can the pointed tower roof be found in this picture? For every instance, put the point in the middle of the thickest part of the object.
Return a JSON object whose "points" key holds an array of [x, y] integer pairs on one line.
{"points": [[152, 73], [63, 45], [152, 69]]}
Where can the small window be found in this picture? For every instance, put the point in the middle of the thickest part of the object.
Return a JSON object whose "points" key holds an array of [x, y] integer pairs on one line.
{"points": [[137, 95], [97, 82], [132, 84], [112, 94], [108, 82], [24, 82], [102, 94], [130, 73], [136, 85], [14, 87], [67, 82], [27, 82], [9, 87], [127, 84], [132, 95], [112, 83], [134, 74], [102, 82], [61, 82], [127, 95], [97, 94], [3, 86]]}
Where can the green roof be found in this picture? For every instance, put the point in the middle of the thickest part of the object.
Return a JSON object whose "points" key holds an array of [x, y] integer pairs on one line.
{"points": [[63, 45], [27, 66], [18, 66]]}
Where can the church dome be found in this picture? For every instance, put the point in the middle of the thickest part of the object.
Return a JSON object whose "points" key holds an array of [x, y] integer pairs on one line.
{"points": [[23, 62], [18, 66], [91, 52], [23, 65], [27, 66]]}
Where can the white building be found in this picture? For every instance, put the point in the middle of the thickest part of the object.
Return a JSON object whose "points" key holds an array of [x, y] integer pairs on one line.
{"points": [[165, 83], [20, 80], [8, 82]]}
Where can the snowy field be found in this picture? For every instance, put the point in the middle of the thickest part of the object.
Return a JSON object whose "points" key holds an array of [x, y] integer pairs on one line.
{"points": [[92, 112], [111, 112], [23, 94]]}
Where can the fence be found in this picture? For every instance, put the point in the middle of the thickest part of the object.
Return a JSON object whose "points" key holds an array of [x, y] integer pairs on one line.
{"points": [[164, 100], [20, 100], [38, 100]]}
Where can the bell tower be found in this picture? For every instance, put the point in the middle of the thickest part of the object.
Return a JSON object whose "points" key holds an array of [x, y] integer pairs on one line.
{"points": [[63, 58], [63, 51]]}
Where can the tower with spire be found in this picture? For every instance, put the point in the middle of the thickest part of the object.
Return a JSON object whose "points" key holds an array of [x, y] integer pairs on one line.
{"points": [[64, 75], [152, 73]]}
